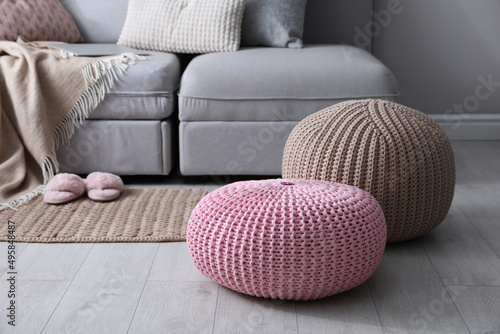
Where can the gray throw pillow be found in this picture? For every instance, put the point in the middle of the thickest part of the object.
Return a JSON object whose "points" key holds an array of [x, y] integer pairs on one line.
{"points": [[278, 23]]}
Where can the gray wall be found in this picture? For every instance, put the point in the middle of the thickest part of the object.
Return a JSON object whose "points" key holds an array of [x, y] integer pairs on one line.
{"points": [[442, 53], [334, 21]]}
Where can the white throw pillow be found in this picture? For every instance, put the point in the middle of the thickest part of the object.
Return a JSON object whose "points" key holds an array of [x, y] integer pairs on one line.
{"points": [[183, 26]]}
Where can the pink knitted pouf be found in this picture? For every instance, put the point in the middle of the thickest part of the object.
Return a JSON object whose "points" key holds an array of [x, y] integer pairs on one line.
{"points": [[287, 239]]}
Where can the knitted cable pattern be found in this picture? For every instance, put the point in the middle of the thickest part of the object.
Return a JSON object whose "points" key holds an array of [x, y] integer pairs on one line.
{"points": [[287, 239], [397, 154]]}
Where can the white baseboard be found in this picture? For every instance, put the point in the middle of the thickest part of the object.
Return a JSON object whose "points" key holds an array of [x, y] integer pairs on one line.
{"points": [[469, 126]]}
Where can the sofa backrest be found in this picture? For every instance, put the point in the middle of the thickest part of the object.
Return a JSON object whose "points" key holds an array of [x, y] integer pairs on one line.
{"points": [[99, 21], [327, 21]]}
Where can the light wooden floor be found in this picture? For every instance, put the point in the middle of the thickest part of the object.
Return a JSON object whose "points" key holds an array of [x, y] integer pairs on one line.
{"points": [[445, 282]]}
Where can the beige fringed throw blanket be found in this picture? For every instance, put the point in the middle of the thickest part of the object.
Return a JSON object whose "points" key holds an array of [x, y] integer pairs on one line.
{"points": [[43, 95]]}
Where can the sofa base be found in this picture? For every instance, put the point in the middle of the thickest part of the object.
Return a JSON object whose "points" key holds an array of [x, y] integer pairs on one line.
{"points": [[233, 148], [123, 147]]}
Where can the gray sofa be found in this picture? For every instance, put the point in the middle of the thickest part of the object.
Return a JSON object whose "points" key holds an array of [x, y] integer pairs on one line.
{"points": [[234, 111]]}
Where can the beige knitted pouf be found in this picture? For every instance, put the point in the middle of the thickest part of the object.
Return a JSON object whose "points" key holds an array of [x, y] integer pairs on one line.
{"points": [[397, 154]]}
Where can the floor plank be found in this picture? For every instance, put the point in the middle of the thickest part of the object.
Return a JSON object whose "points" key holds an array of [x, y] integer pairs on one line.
{"points": [[409, 296], [104, 294], [4, 247], [239, 313], [478, 178], [468, 171], [460, 254], [489, 228], [176, 307], [35, 302], [479, 306], [173, 263], [484, 156], [349, 312], [40, 261], [479, 201]]}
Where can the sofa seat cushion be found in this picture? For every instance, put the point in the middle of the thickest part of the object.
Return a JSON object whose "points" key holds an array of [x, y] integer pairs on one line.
{"points": [[269, 84], [146, 90]]}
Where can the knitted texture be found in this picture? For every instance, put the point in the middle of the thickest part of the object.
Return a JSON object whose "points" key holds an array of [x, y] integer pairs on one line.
{"points": [[397, 154], [287, 239], [37, 20], [183, 26], [139, 215]]}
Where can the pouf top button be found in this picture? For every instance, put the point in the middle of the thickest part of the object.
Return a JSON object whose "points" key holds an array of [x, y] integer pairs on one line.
{"points": [[287, 183]]}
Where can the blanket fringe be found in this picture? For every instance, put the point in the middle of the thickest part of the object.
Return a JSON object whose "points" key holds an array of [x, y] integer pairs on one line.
{"points": [[24, 199], [99, 76]]}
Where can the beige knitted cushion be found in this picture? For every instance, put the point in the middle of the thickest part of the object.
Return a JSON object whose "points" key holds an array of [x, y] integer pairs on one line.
{"points": [[399, 155], [183, 26]]}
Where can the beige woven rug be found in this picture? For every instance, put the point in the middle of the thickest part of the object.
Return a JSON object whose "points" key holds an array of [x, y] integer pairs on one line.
{"points": [[139, 215]]}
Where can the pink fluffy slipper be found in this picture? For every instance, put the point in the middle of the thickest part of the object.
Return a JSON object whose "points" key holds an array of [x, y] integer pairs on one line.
{"points": [[63, 188], [103, 187]]}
